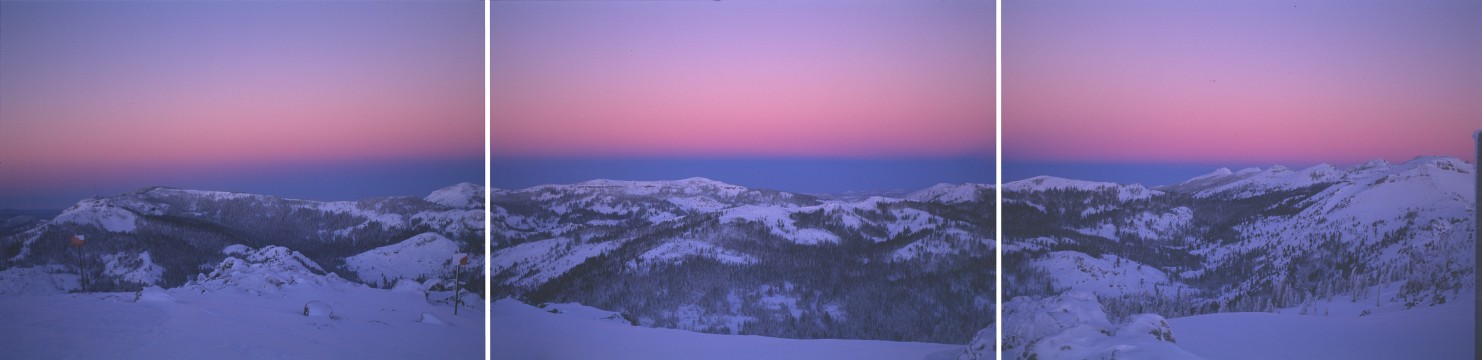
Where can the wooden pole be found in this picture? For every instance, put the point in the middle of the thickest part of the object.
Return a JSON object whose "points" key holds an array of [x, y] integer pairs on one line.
{"points": [[455, 289], [82, 269]]}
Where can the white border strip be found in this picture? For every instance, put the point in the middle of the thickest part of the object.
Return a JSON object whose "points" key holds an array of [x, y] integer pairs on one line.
{"points": [[998, 188], [488, 196]]}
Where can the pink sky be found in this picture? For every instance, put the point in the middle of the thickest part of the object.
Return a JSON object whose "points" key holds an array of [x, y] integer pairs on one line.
{"points": [[109, 91], [1297, 82], [742, 79]]}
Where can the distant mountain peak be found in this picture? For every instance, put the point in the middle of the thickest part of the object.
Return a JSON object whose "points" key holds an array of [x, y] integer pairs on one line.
{"points": [[1221, 172], [461, 195], [1046, 183], [1253, 181], [948, 193], [687, 182]]}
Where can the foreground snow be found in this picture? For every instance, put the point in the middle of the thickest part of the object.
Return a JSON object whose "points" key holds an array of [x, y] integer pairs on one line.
{"points": [[265, 303], [185, 323], [1436, 332], [521, 331]]}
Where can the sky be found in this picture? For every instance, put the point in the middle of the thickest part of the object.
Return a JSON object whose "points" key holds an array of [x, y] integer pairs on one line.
{"points": [[1159, 91], [318, 100], [874, 89]]}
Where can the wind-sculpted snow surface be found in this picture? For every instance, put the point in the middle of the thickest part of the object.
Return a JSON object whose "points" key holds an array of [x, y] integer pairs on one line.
{"points": [[219, 318], [703, 255], [521, 331], [1338, 329]]}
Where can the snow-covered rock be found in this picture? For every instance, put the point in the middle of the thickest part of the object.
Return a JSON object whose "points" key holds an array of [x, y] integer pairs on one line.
{"points": [[265, 271], [316, 308], [236, 250], [981, 347], [153, 295], [409, 285], [430, 319], [1074, 326], [587, 312]]}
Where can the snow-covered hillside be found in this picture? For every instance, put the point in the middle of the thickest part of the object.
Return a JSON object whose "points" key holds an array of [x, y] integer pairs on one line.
{"points": [[162, 236], [1395, 239], [521, 331], [425, 256], [704, 255], [462, 196], [174, 273]]}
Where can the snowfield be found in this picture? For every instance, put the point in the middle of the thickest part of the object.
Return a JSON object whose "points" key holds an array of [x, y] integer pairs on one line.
{"points": [[1436, 332], [367, 324], [521, 331], [270, 303]]}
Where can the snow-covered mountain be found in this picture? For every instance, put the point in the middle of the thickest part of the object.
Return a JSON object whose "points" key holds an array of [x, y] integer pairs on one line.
{"points": [[169, 273], [730, 259], [462, 196], [165, 236], [1248, 240]]}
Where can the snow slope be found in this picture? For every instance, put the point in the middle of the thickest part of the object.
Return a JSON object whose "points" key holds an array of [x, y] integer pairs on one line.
{"points": [[521, 331], [248, 308], [40, 280], [1105, 276], [1436, 332], [371, 324], [108, 214], [425, 255]]}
